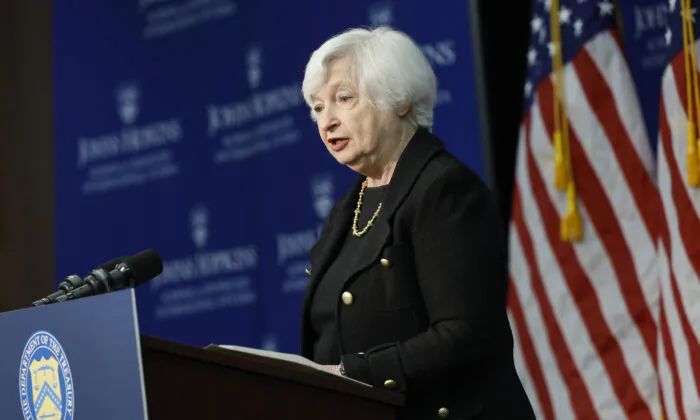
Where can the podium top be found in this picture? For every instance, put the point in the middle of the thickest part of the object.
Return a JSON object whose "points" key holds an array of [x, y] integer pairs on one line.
{"points": [[276, 368]]}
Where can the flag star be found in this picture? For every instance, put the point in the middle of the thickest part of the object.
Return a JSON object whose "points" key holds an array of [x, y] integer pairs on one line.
{"points": [[672, 5], [528, 88], [548, 5], [552, 47], [536, 24], [532, 56], [564, 15], [582, 1], [578, 27], [606, 8], [668, 35], [543, 35]]}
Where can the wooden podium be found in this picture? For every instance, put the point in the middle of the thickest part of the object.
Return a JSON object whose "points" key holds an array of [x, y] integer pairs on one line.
{"points": [[186, 382]]}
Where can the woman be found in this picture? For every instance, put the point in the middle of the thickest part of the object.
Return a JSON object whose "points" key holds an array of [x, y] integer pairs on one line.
{"points": [[409, 276]]}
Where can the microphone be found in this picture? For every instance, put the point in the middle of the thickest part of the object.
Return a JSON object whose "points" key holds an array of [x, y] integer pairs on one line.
{"points": [[129, 273], [73, 281]]}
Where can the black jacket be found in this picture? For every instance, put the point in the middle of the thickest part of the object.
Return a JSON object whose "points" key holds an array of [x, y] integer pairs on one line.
{"points": [[425, 308]]}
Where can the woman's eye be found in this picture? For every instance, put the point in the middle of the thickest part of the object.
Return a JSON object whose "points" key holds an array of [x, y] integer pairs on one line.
{"points": [[344, 98], [317, 108]]}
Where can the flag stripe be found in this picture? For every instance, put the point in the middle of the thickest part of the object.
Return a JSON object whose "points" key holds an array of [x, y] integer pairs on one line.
{"points": [[684, 343], [669, 388], [586, 313], [581, 403], [603, 205], [534, 368], [628, 180], [534, 318], [604, 74], [687, 216], [522, 372], [601, 215], [631, 206], [679, 199], [541, 340], [544, 220], [563, 299], [621, 82], [672, 364]]}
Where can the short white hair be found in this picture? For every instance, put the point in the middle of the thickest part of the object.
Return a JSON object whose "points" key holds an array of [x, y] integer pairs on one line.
{"points": [[386, 65]]}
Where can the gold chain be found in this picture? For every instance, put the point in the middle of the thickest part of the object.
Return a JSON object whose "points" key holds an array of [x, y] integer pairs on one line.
{"points": [[357, 213]]}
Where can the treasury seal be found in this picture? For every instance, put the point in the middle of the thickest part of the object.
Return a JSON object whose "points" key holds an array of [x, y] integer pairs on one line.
{"points": [[45, 379]]}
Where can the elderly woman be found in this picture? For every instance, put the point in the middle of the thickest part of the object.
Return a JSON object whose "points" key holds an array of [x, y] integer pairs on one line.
{"points": [[409, 275]]}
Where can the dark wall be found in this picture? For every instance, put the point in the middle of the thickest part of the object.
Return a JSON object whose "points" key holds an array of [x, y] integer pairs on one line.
{"points": [[26, 153], [505, 32]]}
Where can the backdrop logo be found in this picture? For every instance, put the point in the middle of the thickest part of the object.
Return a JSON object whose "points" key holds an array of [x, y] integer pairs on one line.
{"points": [[45, 379], [253, 60], [199, 223], [322, 189], [651, 18], [381, 14], [128, 102]]}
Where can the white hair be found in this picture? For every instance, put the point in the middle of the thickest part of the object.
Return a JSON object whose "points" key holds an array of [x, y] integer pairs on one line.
{"points": [[387, 67]]}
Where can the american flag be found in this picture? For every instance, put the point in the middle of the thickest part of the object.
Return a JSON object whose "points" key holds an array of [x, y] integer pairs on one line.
{"points": [[584, 311], [679, 243]]}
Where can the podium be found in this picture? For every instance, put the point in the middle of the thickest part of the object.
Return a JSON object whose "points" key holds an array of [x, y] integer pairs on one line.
{"points": [[188, 382], [86, 359]]}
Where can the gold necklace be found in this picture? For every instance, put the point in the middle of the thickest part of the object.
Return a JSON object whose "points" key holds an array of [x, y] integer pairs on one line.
{"points": [[357, 214]]}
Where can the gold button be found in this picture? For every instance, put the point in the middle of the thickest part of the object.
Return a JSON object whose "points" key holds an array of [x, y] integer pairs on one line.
{"points": [[443, 413], [390, 384], [308, 272], [386, 263], [347, 298]]}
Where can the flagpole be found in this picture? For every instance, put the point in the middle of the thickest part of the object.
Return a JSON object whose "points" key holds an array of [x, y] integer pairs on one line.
{"points": [[474, 12]]}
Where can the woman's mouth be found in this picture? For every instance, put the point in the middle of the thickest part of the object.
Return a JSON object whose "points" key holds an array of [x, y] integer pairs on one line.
{"points": [[338, 143]]}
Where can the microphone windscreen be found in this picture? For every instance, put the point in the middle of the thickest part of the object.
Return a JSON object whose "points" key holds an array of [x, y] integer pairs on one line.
{"points": [[144, 266]]}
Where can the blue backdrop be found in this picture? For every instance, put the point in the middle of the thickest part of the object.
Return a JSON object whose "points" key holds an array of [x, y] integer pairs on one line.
{"points": [[180, 127], [644, 24]]}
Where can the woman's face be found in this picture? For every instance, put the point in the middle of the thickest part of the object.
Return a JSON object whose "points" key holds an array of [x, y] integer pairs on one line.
{"points": [[356, 133]]}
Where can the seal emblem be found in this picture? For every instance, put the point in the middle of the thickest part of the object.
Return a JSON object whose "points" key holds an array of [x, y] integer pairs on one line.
{"points": [[45, 379]]}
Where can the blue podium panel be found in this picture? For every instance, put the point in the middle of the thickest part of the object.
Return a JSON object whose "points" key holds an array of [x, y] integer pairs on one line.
{"points": [[79, 359]]}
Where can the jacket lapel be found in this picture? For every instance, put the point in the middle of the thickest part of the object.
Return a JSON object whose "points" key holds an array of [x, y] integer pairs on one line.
{"points": [[321, 256], [420, 150], [322, 253]]}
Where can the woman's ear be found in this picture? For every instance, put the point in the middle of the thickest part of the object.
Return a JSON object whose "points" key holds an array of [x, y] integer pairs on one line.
{"points": [[404, 110]]}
